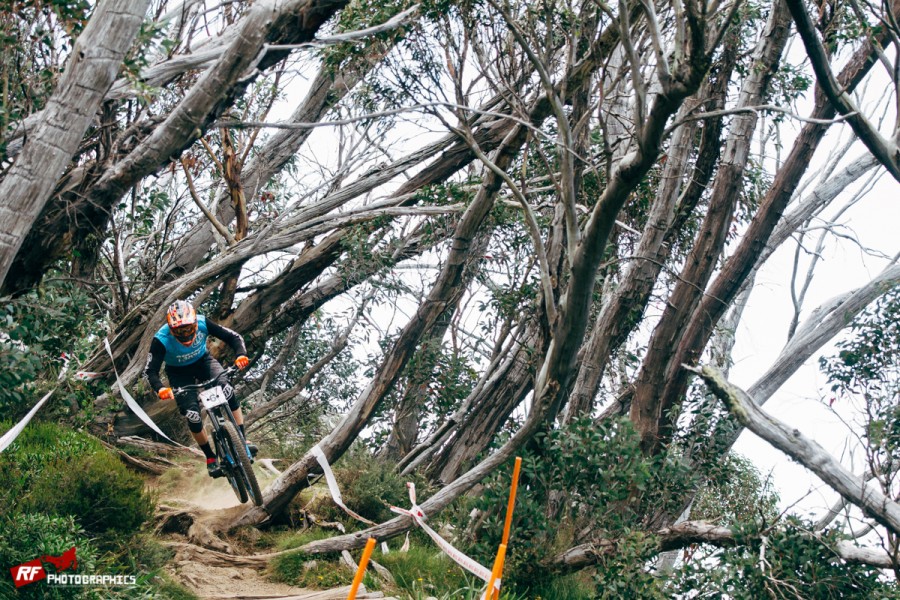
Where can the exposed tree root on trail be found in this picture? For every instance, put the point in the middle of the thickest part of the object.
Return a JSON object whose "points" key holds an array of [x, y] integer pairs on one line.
{"points": [[192, 509]]}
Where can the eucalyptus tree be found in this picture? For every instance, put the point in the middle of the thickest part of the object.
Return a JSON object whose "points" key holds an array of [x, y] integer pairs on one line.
{"points": [[563, 201]]}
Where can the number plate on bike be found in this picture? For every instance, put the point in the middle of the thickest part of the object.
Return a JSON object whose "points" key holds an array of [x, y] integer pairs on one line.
{"points": [[213, 397]]}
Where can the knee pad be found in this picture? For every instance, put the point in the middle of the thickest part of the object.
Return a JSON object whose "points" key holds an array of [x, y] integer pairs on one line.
{"points": [[195, 424], [233, 403]]}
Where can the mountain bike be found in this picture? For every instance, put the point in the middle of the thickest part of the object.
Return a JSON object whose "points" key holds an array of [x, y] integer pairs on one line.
{"points": [[231, 449]]}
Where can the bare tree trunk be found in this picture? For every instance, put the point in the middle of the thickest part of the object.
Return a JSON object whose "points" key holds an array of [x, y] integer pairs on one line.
{"points": [[93, 64], [688, 533], [442, 294], [805, 451], [648, 407], [738, 267]]}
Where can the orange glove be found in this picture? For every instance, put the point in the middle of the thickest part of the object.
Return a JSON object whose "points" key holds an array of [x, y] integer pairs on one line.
{"points": [[241, 362], [166, 394]]}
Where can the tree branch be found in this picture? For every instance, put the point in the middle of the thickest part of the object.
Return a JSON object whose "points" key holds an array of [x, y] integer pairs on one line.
{"points": [[688, 533], [885, 150], [802, 449], [223, 231]]}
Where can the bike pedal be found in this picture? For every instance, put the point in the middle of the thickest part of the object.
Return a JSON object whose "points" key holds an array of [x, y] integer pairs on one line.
{"points": [[214, 470]]}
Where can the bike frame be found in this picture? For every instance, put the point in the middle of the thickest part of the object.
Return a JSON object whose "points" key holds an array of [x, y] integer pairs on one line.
{"points": [[217, 416]]}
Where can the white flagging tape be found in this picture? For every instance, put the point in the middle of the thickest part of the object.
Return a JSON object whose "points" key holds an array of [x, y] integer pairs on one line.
{"points": [[333, 486], [13, 433], [132, 404], [87, 375], [467, 563]]}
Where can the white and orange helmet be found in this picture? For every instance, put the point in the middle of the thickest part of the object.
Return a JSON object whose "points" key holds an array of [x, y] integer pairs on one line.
{"points": [[182, 319]]}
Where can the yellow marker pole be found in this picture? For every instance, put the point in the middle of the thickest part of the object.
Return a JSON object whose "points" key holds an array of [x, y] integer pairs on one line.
{"points": [[363, 562], [512, 500], [496, 572]]}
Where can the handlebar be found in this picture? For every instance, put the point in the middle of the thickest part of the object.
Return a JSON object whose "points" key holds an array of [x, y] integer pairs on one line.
{"points": [[202, 385]]}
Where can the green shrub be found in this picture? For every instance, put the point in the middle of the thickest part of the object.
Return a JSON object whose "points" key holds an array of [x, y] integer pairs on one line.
{"points": [[53, 469], [26, 536], [38, 326], [610, 487], [37, 447], [164, 587], [98, 490]]}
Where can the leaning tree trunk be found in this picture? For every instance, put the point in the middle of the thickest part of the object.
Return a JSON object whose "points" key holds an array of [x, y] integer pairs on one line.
{"points": [[93, 64], [648, 408], [443, 293]]}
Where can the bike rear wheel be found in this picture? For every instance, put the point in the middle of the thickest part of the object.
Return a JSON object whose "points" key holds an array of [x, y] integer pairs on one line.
{"points": [[243, 470]]}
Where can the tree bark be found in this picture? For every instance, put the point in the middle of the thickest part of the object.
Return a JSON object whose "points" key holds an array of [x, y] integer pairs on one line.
{"points": [[803, 450], [96, 57], [649, 406]]}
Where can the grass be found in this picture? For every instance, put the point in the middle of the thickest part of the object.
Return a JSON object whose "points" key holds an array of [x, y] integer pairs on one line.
{"points": [[301, 570], [424, 569], [165, 587], [577, 586], [422, 572]]}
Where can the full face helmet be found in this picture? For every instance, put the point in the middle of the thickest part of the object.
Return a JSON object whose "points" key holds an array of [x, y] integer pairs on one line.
{"points": [[182, 319]]}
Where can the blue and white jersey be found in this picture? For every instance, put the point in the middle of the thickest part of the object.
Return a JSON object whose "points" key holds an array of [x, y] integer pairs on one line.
{"points": [[179, 355]]}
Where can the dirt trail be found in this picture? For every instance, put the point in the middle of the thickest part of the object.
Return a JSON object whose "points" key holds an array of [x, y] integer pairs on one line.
{"points": [[190, 503]]}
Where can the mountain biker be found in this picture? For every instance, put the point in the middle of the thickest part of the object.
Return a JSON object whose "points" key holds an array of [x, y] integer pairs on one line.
{"points": [[181, 344]]}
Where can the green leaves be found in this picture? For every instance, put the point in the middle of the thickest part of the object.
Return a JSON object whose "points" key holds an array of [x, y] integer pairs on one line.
{"points": [[784, 562], [36, 329], [867, 368]]}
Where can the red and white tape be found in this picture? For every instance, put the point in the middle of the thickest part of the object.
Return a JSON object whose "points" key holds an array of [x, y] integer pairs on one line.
{"points": [[87, 375], [466, 562]]}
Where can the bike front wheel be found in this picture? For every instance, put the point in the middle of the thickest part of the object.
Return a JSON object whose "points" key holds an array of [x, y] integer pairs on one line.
{"points": [[242, 470], [229, 461]]}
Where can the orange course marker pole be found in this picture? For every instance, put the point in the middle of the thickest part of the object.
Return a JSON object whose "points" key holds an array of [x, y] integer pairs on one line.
{"points": [[363, 562], [512, 500], [496, 572], [507, 524]]}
